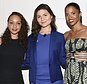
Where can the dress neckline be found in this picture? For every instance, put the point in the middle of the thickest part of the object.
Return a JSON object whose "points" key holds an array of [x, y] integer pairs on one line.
{"points": [[77, 39]]}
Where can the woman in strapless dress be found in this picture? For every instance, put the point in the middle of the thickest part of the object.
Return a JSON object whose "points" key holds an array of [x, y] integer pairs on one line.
{"points": [[76, 46]]}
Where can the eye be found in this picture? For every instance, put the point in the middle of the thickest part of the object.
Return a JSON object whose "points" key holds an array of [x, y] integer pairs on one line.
{"points": [[10, 22], [73, 13], [45, 14], [66, 14], [19, 23], [38, 16]]}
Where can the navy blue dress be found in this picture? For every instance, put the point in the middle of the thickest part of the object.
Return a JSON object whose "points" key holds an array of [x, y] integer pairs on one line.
{"points": [[11, 57], [42, 61]]}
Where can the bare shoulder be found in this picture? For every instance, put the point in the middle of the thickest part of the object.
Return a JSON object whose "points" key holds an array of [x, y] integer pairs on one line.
{"points": [[66, 34], [85, 30]]}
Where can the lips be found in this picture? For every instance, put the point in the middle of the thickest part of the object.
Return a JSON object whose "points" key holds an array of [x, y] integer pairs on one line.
{"points": [[14, 29], [70, 21], [43, 22]]}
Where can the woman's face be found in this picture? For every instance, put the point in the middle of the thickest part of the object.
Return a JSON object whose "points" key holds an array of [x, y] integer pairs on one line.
{"points": [[44, 18], [72, 15], [14, 24]]}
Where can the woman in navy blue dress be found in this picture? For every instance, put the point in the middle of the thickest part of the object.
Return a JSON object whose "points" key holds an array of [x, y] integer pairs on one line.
{"points": [[46, 49]]}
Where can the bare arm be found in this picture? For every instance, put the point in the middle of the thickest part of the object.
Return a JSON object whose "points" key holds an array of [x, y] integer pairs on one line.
{"points": [[66, 35], [81, 56]]}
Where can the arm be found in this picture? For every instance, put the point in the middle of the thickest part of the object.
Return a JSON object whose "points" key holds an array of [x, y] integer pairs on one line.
{"points": [[62, 53], [66, 34], [25, 64], [81, 56]]}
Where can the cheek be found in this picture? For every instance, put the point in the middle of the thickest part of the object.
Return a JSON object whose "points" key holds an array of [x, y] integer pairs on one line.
{"points": [[10, 27], [38, 20], [19, 28], [67, 18], [75, 16], [49, 20]]}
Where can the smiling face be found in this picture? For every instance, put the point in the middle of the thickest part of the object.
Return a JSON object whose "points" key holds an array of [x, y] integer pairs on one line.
{"points": [[72, 15], [14, 24], [44, 18]]}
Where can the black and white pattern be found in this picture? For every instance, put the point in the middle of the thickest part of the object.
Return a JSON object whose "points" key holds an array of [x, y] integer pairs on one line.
{"points": [[76, 71]]}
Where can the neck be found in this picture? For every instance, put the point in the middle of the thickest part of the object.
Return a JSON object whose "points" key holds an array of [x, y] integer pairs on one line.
{"points": [[77, 27], [45, 30], [14, 36]]}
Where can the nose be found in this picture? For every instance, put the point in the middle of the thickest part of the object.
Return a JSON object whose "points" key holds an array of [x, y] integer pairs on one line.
{"points": [[14, 25], [42, 18], [70, 16]]}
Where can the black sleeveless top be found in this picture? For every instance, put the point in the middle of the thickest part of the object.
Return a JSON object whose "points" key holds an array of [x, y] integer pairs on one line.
{"points": [[11, 57]]}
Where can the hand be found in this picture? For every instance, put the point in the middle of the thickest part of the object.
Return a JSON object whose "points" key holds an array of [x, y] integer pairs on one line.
{"points": [[81, 56]]}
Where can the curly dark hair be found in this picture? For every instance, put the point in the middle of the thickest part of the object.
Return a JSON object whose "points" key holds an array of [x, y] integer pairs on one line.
{"points": [[35, 25], [22, 35]]}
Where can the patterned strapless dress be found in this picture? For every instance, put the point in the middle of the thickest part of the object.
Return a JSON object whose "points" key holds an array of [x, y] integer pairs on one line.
{"points": [[76, 71]]}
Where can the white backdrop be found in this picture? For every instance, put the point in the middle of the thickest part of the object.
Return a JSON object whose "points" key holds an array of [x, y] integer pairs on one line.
{"points": [[26, 7]]}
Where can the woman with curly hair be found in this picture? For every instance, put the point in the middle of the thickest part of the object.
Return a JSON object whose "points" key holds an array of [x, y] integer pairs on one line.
{"points": [[12, 49]]}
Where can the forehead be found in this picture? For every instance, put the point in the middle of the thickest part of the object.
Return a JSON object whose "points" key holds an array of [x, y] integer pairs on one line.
{"points": [[71, 8], [42, 11], [14, 17]]}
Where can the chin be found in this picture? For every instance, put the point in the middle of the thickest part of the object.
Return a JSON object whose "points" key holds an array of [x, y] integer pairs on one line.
{"points": [[14, 33]]}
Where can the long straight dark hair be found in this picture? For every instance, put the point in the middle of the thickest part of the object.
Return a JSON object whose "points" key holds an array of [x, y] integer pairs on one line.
{"points": [[35, 25]]}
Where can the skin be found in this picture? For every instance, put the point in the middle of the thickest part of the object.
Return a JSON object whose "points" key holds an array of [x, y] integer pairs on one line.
{"points": [[81, 54], [14, 25], [72, 16], [44, 19], [78, 30]]}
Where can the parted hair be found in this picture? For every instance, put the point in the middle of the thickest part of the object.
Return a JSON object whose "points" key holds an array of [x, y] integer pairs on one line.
{"points": [[35, 25], [76, 6], [22, 34]]}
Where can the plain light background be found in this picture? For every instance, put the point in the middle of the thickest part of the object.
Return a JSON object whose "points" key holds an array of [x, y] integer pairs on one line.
{"points": [[27, 7]]}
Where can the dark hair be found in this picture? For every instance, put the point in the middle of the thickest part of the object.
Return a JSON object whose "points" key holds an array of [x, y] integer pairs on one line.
{"points": [[22, 35], [35, 25], [76, 6]]}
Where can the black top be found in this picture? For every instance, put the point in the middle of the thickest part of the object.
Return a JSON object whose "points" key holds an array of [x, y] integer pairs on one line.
{"points": [[11, 57]]}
